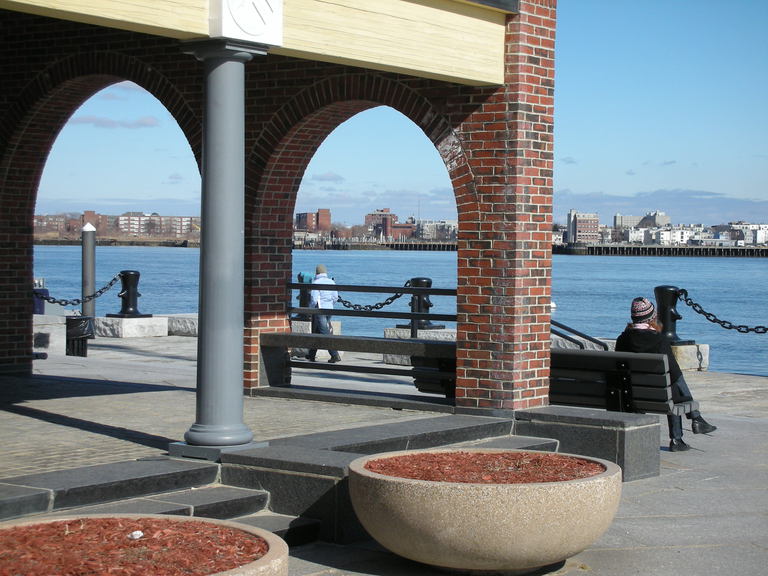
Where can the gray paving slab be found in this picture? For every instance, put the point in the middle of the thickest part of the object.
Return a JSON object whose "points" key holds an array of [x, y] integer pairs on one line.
{"points": [[707, 513]]}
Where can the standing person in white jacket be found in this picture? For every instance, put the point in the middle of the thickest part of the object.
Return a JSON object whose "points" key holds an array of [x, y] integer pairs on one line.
{"points": [[323, 299]]}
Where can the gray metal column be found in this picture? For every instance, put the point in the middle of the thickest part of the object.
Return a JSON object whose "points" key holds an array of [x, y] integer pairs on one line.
{"points": [[219, 420], [88, 238]]}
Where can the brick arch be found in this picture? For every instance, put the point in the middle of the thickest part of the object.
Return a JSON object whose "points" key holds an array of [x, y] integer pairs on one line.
{"points": [[276, 164], [28, 132]]}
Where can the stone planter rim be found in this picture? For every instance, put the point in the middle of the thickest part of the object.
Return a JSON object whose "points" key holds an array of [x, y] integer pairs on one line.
{"points": [[358, 465], [273, 563]]}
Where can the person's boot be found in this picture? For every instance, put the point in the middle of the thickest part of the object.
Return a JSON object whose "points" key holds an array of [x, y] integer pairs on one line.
{"points": [[701, 426], [677, 445]]}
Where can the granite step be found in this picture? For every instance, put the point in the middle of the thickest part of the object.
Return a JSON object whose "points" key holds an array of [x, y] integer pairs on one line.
{"points": [[295, 530], [53, 491], [213, 501]]}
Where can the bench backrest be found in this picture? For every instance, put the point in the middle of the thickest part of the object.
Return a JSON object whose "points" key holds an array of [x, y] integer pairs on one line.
{"points": [[620, 381]]}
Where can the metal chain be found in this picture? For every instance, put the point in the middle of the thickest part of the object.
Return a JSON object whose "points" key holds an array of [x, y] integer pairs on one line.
{"points": [[79, 301], [377, 306], [724, 323]]}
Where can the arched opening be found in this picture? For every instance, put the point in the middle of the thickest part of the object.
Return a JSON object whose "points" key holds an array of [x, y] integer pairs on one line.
{"points": [[121, 163], [383, 182]]}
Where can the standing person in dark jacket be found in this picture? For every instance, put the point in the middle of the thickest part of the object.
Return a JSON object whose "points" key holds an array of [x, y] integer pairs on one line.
{"points": [[644, 334]]}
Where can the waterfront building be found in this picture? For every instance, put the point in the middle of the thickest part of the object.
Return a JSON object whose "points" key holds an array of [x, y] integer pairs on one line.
{"points": [[437, 230], [655, 219], [625, 221], [582, 227], [319, 221], [635, 235], [671, 236]]}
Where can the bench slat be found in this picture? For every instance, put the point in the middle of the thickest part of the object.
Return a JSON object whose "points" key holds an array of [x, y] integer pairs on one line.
{"points": [[598, 388], [601, 360], [397, 346]]}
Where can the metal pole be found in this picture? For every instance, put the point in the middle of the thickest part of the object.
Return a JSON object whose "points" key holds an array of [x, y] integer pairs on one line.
{"points": [[89, 269], [222, 254]]}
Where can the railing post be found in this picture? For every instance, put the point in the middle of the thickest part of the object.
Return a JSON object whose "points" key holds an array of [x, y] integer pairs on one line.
{"points": [[88, 236]]}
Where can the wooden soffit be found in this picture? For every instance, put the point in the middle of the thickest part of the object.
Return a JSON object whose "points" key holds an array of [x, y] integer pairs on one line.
{"points": [[455, 40]]}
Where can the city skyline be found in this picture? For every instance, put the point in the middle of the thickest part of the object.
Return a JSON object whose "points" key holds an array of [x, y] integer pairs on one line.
{"points": [[641, 215], [657, 108]]}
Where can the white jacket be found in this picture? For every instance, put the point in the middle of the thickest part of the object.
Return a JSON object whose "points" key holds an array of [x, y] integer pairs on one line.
{"points": [[323, 298]]}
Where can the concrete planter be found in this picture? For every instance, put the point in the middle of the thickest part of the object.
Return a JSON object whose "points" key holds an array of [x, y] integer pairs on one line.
{"points": [[515, 528], [273, 563]]}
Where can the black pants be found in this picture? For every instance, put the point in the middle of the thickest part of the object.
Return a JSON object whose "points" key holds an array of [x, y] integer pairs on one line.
{"points": [[676, 422]]}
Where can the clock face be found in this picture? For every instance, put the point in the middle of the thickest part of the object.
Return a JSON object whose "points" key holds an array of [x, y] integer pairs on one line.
{"points": [[254, 17]]}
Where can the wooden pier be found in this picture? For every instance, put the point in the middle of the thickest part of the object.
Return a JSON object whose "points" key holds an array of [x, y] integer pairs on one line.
{"points": [[656, 250]]}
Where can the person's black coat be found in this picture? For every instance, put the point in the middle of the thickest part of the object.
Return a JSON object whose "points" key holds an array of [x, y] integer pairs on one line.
{"points": [[651, 342]]}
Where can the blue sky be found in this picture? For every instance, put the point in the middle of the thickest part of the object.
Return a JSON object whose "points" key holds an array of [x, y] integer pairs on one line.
{"points": [[660, 105]]}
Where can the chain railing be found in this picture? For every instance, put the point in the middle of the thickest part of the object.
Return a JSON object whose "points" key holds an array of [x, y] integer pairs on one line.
{"points": [[377, 306], [79, 301], [715, 320]]}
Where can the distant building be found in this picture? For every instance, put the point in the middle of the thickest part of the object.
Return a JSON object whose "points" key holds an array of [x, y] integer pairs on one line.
{"points": [[437, 230], [624, 221], [654, 220], [306, 222], [380, 223], [635, 235], [319, 221], [671, 236], [582, 227]]}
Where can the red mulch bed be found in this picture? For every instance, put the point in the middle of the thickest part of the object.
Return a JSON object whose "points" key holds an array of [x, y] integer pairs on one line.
{"points": [[102, 546], [486, 467]]}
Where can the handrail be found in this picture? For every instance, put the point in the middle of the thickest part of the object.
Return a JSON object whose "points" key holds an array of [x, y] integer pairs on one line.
{"points": [[587, 337], [419, 316]]}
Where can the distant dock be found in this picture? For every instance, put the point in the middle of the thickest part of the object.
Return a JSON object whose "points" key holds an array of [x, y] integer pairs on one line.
{"points": [[656, 250]]}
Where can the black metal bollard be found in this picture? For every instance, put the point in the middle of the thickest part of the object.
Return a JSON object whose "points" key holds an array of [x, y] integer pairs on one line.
{"points": [[420, 304], [130, 295], [666, 301]]}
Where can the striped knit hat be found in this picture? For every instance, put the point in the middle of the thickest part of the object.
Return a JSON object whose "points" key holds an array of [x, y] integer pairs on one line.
{"points": [[643, 310]]}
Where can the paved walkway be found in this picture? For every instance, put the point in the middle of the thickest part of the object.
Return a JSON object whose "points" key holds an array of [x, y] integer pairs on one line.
{"points": [[706, 514]]}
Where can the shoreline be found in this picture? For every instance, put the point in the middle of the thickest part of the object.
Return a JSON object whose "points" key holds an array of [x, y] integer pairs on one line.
{"points": [[559, 249]]}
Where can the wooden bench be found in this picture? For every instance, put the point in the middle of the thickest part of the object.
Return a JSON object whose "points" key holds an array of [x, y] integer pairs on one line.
{"points": [[616, 381], [434, 361]]}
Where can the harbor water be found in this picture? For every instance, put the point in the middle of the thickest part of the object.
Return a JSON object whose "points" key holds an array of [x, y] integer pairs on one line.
{"points": [[592, 293]]}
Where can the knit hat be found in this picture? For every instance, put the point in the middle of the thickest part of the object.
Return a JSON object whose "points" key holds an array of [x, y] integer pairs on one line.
{"points": [[321, 269], [643, 310]]}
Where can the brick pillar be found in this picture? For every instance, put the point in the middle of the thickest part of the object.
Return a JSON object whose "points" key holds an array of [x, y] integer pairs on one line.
{"points": [[505, 257]]}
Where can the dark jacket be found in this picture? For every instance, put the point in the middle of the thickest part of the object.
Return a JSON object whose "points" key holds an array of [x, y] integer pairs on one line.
{"points": [[652, 342]]}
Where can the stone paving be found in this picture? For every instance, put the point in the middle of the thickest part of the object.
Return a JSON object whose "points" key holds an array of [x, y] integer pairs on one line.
{"points": [[132, 397]]}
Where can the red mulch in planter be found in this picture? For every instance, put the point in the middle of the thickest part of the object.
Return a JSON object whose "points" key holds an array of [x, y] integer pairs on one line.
{"points": [[103, 546], [486, 467]]}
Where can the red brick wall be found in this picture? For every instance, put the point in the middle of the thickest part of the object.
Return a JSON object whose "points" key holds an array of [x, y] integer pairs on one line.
{"points": [[505, 269], [496, 142]]}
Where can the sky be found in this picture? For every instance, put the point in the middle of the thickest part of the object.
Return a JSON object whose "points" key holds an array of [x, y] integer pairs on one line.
{"points": [[659, 105]]}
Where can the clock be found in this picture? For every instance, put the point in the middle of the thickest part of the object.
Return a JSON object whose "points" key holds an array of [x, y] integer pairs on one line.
{"points": [[250, 20]]}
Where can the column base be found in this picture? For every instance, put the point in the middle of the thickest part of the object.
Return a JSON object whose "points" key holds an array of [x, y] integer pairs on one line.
{"points": [[210, 453]]}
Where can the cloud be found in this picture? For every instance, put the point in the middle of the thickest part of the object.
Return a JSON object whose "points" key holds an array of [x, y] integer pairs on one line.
{"points": [[328, 177], [110, 123], [630, 172], [684, 206], [668, 163], [568, 160], [174, 178]]}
